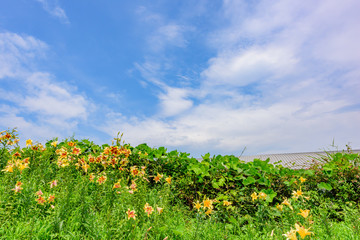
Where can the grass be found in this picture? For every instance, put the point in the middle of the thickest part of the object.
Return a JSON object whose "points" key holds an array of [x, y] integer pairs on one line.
{"points": [[91, 200]]}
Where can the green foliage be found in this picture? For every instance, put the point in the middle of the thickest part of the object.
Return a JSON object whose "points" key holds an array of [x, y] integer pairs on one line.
{"points": [[97, 185]]}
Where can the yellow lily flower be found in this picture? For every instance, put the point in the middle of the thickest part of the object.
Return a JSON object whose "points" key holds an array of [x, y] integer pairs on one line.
{"points": [[197, 205], [304, 213], [29, 142], [302, 231], [287, 203], [208, 203], [290, 235], [297, 194], [254, 196], [262, 196]]}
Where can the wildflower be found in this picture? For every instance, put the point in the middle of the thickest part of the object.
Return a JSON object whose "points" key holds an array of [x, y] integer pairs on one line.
{"points": [[297, 194], [117, 185], [134, 171], [71, 144], [22, 167], [18, 187], [51, 198], [9, 168], [113, 161], [41, 200], [208, 203], [63, 154], [290, 235], [124, 162], [39, 193], [26, 160], [280, 207], [91, 158], [133, 185], [304, 213], [91, 177], [142, 172], [148, 209], [209, 211], [197, 205], [254, 196], [131, 214], [85, 166], [158, 177], [76, 151], [262, 196], [168, 180], [29, 142], [53, 183], [302, 179], [159, 210], [102, 179], [226, 203], [287, 203], [54, 143], [52, 206], [302, 231], [17, 154], [41, 147]]}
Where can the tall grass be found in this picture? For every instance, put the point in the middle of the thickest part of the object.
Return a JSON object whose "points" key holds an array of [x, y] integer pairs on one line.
{"points": [[55, 192]]}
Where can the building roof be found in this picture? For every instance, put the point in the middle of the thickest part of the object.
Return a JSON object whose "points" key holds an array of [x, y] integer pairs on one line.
{"points": [[293, 160]]}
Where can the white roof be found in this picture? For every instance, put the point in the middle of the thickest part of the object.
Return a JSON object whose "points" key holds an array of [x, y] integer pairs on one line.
{"points": [[293, 160]]}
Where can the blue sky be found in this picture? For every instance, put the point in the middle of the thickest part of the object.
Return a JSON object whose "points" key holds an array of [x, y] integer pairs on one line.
{"points": [[196, 76]]}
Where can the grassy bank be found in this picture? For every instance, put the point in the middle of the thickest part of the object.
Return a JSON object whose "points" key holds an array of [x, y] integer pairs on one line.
{"points": [[75, 189]]}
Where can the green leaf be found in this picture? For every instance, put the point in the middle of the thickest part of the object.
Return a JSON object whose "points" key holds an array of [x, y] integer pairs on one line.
{"points": [[263, 181], [310, 172], [215, 185], [248, 181], [287, 183], [270, 194], [221, 181], [196, 169], [206, 156], [325, 186]]}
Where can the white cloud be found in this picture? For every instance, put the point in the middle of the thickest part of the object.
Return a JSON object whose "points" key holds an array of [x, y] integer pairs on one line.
{"points": [[243, 67], [303, 64], [17, 52], [168, 35], [174, 101], [53, 8], [49, 98], [163, 33], [34, 101], [223, 130]]}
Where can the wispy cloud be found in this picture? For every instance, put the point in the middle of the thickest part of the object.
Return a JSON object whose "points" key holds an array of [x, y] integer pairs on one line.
{"points": [[34, 100], [164, 33], [285, 78], [53, 8], [168, 35]]}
